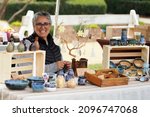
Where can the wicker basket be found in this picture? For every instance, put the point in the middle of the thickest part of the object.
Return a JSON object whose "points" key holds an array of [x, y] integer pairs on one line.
{"points": [[113, 81]]}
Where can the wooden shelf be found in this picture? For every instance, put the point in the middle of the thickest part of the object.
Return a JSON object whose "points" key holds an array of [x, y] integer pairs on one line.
{"points": [[23, 62], [117, 53]]}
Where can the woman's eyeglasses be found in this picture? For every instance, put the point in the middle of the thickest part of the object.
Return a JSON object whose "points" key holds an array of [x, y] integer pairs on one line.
{"points": [[43, 24]]}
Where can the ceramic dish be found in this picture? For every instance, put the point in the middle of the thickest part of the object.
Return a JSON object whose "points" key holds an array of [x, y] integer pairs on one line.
{"points": [[125, 64], [132, 42], [16, 84], [112, 65], [138, 63], [38, 86], [113, 42], [34, 79]]}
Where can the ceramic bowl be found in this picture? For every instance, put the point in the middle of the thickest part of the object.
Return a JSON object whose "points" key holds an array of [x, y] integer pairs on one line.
{"points": [[113, 42], [34, 79], [125, 64], [16, 84], [112, 65], [138, 63], [37, 86], [50, 87], [132, 42], [120, 69]]}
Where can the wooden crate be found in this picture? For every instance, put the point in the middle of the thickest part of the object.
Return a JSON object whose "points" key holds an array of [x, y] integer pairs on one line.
{"points": [[115, 31], [145, 30], [93, 78], [117, 53], [29, 63]]}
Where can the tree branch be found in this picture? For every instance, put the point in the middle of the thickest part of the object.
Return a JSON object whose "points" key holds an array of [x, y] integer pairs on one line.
{"points": [[18, 12]]}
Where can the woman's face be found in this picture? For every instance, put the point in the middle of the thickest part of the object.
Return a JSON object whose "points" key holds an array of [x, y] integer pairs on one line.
{"points": [[42, 26]]}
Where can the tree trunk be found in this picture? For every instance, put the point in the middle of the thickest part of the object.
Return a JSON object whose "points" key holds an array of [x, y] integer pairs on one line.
{"points": [[19, 11], [3, 8]]}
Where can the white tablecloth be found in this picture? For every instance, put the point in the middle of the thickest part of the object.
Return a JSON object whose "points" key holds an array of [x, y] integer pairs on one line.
{"points": [[135, 90], [1, 91]]}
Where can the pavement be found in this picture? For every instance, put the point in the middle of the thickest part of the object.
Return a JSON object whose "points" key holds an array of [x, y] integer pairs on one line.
{"points": [[145, 20]]}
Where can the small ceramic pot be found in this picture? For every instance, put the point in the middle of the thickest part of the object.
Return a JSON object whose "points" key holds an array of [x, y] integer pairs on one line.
{"points": [[50, 86], [112, 65], [132, 42], [120, 69], [38, 86], [81, 80], [113, 42]]}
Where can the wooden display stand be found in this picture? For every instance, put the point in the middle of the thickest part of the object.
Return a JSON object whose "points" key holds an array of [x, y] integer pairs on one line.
{"points": [[29, 63], [117, 53], [115, 32]]}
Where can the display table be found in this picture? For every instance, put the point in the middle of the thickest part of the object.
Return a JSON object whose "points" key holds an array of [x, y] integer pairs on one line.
{"points": [[2, 86], [135, 90]]}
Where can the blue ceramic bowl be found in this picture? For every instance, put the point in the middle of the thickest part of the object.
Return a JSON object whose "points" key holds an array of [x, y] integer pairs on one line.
{"points": [[112, 65], [16, 84], [37, 86], [113, 42], [34, 79]]}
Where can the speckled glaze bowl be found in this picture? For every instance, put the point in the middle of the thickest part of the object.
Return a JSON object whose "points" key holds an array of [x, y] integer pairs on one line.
{"points": [[37, 86], [138, 63], [35, 79], [16, 84], [125, 64], [112, 65], [132, 41], [113, 42]]}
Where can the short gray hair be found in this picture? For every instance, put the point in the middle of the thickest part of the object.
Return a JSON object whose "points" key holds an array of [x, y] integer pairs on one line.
{"points": [[41, 13]]}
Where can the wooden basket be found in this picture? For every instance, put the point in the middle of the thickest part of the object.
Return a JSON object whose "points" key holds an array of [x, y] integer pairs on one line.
{"points": [[93, 78]]}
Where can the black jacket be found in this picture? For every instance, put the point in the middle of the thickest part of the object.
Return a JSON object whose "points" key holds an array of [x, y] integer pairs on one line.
{"points": [[52, 50]]}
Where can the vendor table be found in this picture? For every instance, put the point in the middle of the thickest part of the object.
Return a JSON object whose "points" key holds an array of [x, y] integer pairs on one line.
{"points": [[135, 90]]}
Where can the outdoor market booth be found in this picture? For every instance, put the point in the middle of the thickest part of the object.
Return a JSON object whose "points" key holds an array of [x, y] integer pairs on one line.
{"points": [[125, 73]]}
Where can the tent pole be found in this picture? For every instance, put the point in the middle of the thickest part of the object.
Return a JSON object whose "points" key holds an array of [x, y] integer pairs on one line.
{"points": [[56, 18]]}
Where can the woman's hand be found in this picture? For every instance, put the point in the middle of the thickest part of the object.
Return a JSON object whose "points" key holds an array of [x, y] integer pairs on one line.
{"points": [[61, 64]]}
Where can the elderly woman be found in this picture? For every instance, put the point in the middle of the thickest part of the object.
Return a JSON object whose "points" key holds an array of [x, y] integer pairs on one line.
{"points": [[42, 25]]}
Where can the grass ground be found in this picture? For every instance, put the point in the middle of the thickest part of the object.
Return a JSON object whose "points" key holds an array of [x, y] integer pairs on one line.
{"points": [[95, 66], [92, 2]]}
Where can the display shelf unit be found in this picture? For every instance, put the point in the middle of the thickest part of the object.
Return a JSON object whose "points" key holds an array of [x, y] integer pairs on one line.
{"points": [[28, 63], [117, 53]]}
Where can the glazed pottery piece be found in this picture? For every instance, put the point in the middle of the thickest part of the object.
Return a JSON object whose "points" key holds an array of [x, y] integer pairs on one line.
{"points": [[16, 84]]}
